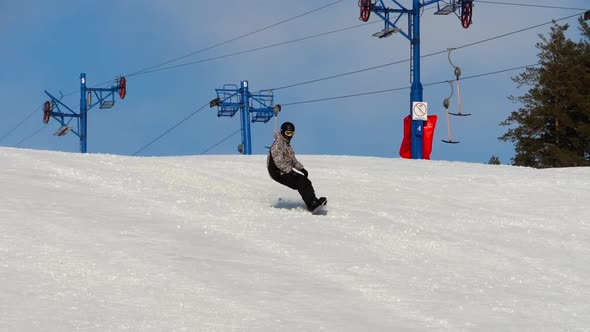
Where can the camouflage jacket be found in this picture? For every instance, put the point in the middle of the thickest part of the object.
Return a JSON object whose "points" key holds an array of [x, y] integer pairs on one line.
{"points": [[282, 155]]}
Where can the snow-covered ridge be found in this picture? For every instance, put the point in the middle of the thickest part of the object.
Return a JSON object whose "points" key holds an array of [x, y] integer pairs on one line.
{"points": [[104, 242]]}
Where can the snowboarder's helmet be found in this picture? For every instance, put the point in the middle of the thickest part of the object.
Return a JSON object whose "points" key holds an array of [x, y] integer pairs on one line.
{"points": [[287, 126], [288, 130]]}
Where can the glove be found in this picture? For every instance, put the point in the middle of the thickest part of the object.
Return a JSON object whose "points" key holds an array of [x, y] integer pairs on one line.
{"points": [[305, 172]]}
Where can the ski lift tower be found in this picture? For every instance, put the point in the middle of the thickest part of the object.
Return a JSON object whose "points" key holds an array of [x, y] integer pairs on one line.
{"points": [[105, 98], [257, 107], [391, 17]]}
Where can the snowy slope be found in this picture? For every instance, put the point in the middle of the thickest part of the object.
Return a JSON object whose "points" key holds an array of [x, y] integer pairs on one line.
{"points": [[210, 243]]}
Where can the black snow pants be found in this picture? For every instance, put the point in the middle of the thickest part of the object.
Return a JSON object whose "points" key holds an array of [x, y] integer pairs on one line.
{"points": [[294, 181]]}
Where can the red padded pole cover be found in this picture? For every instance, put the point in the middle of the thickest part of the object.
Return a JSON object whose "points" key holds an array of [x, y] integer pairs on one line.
{"points": [[428, 136], [405, 151]]}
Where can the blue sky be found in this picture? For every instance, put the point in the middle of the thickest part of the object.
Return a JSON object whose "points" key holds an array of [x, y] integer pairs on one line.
{"points": [[46, 45]]}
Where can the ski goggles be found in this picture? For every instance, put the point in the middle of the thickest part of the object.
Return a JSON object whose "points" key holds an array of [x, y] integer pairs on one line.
{"points": [[289, 133]]}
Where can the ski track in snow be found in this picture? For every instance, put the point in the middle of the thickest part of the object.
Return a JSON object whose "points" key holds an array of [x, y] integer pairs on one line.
{"points": [[211, 243]]}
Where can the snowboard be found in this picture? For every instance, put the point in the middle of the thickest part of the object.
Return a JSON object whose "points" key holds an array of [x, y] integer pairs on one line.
{"points": [[300, 206]]}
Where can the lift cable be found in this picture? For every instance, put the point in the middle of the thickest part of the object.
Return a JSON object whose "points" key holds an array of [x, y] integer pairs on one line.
{"points": [[254, 49], [223, 140], [527, 5], [403, 88], [171, 128], [20, 123], [233, 39], [30, 136]]}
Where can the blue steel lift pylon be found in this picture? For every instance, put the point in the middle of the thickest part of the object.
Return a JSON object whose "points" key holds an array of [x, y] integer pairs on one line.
{"points": [[257, 107], [413, 35], [105, 99]]}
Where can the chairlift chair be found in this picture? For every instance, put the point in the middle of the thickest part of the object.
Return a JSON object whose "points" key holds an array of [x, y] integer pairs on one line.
{"points": [[446, 104], [227, 101], [62, 131], [262, 106], [458, 82]]}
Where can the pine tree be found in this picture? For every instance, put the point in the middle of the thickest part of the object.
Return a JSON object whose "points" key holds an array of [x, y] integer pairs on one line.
{"points": [[494, 160], [552, 128]]}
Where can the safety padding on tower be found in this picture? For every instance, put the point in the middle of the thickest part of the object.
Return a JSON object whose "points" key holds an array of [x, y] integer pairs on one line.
{"points": [[405, 150]]}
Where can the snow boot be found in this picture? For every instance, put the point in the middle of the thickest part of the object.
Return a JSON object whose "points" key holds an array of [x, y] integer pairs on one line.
{"points": [[317, 202]]}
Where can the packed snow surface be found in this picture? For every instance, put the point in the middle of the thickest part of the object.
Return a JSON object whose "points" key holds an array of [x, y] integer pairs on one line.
{"points": [[211, 243]]}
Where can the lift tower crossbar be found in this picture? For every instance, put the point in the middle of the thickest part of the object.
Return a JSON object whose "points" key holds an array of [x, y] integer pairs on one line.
{"points": [[105, 97], [253, 107]]}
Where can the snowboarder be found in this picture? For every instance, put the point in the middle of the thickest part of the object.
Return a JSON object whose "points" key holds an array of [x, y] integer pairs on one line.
{"points": [[284, 168]]}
